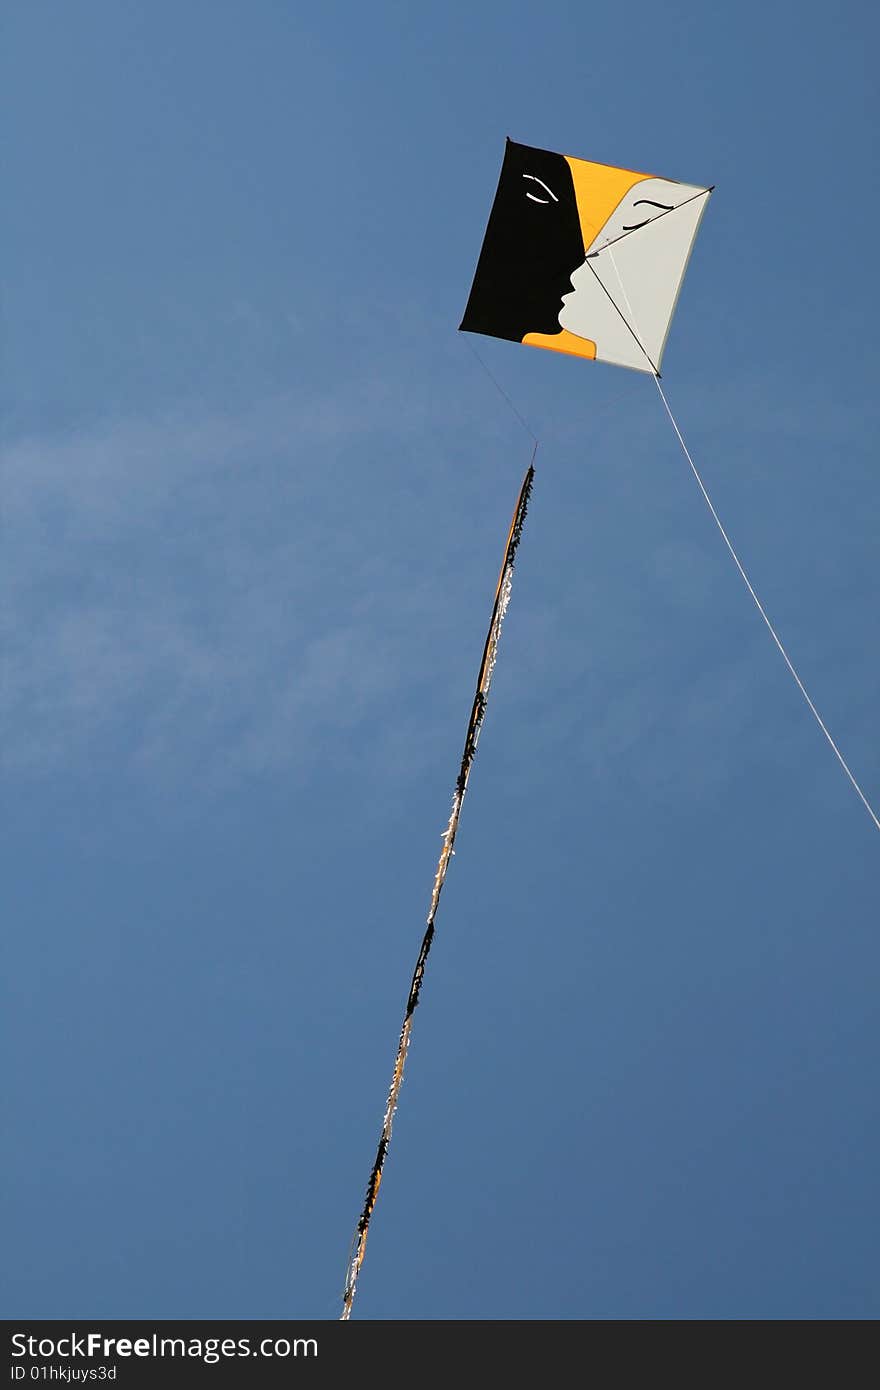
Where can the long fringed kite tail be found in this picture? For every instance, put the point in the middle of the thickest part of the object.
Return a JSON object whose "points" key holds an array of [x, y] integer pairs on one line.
{"points": [[475, 724]]}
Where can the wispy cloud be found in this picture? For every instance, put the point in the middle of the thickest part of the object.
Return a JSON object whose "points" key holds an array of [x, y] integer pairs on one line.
{"points": [[200, 589], [229, 594]]}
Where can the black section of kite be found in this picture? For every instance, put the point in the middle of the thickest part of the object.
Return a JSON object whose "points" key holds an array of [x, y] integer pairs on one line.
{"points": [[532, 245]]}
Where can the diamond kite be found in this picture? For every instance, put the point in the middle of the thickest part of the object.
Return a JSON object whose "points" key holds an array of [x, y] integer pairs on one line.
{"points": [[583, 258]]}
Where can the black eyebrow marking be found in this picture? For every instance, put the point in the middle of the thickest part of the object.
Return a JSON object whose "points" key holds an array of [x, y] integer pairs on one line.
{"points": [[701, 193], [664, 207]]}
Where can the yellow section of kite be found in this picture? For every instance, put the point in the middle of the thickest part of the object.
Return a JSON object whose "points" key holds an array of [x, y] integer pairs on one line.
{"points": [[598, 188], [563, 341]]}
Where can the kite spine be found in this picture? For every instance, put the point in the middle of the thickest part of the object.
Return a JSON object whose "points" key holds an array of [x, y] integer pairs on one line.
{"points": [[475, 724]]}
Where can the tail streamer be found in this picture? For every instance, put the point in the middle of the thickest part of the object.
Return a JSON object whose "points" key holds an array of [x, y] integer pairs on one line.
{"points": [[475, 724]]}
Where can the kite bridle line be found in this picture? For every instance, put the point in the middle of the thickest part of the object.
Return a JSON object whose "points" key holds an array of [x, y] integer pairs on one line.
{"points": [[475, 724], [632, 332], [736, 560]]}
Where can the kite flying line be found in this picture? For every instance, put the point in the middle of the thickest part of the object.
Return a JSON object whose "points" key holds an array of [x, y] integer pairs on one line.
{"points": [[736, 560], [760, 607], [475, 724]]}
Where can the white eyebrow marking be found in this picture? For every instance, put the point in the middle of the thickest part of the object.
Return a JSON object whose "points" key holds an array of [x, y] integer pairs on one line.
{"points": [[535, 179]]}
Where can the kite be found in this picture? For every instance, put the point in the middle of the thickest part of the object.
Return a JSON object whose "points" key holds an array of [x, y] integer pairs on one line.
{"points": [[585, 259]]}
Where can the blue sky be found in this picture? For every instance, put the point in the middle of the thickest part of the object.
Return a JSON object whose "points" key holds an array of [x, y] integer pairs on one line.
{"points": [[255, 490]]}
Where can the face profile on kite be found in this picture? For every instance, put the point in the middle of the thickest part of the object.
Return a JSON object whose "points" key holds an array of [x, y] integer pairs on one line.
{"points": [[533, 243], [583, 258]]}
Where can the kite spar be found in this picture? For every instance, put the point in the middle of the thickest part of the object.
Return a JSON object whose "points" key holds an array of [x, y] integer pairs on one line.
{"points": [[475, 724]]}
